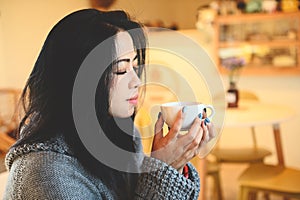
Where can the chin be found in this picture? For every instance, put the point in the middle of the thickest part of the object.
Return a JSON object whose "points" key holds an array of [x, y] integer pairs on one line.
{"points": [[131, 112], [122, 113], [125, 114]]}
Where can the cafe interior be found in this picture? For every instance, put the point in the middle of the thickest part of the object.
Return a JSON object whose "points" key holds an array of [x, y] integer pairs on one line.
{"points": [[240, 56]]}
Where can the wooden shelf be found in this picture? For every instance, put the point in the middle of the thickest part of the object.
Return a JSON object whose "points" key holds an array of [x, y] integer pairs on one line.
{"points": [[266, 70], [255, 17], [271, 41]]}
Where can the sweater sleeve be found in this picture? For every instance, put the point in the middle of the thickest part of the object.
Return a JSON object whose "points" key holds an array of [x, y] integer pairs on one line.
{"points": [[49, 175], [161, 181]]}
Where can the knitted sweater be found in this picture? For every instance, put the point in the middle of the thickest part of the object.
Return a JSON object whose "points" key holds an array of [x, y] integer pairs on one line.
{"points": [[47, 171]]}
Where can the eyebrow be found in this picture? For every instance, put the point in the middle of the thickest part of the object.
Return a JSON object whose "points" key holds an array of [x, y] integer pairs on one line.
{"points": [[125, 60]]}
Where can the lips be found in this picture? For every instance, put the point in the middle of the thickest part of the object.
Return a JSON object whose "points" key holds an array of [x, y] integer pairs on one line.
{"points": [[133, 100]]}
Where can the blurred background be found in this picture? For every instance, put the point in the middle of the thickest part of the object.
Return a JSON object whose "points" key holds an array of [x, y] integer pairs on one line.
{"points": [[24, 26]]}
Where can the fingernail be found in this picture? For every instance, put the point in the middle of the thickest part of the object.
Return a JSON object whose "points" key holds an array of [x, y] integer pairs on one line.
{"points": [[159, 114], [183, 109], [200, 115], [207, 120]]}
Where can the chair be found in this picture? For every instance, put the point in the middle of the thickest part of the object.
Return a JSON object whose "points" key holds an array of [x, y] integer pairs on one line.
{"points": [[8, 118], [5, 142], [251, 154], [213, 170], [268, 179]]}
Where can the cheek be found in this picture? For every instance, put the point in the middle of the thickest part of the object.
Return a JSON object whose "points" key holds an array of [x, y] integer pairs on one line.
{"points": [[118, 97], [119, 90], [122, 83]]}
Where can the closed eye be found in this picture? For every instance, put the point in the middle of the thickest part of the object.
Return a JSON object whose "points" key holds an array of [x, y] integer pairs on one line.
{"points": [[123, 65], [120, 73]]}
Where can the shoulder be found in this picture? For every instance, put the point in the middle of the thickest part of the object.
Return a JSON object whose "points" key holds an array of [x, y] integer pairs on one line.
{"points": [[51, 175], [46, 163], [46, 174]]}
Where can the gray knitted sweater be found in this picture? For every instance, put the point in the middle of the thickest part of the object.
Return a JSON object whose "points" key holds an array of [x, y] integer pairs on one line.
{"points": [[48, 171]]}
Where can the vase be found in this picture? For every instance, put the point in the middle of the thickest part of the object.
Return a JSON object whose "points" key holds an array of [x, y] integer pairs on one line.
{"points": [[232, 96]]}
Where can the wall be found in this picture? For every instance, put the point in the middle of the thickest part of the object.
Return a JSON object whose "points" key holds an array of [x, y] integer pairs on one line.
{"points": [[2, 78], [182, 12], [24, 26]]}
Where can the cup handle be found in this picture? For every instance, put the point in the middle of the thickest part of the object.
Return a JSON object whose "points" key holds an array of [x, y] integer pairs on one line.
{"points": [[212, 109]]}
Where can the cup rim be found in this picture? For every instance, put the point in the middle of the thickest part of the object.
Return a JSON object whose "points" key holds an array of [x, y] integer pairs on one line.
{"points": [[180, 103]]}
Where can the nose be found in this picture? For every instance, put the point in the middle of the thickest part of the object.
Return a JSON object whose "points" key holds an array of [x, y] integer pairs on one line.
{"points": [[135, 81]]}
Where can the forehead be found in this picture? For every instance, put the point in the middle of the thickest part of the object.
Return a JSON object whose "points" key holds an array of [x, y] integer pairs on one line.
{"points": [[124, 43]]}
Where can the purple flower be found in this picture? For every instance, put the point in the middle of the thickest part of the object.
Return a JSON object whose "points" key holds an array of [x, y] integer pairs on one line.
{"points": [[233, 64]]}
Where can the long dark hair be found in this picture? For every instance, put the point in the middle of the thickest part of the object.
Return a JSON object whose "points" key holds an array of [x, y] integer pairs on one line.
{"points": [[47, 96]]}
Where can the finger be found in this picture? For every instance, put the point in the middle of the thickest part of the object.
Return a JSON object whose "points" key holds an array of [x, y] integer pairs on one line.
{"points": [[205, 137], [158, 127], [173, 132], [197, 119], [189, 153], [196, 142], [211, 129], [192, 133], [195, 145]]}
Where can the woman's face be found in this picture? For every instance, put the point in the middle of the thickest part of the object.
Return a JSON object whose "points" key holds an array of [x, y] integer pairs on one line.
{"points": [[125, 82]]}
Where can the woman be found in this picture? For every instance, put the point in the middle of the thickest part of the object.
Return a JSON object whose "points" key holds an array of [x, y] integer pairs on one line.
{"points": [[50, 161]]}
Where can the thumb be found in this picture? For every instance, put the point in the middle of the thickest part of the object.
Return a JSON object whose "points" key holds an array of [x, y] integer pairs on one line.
{"points": [[174, 131], [158, 128]]}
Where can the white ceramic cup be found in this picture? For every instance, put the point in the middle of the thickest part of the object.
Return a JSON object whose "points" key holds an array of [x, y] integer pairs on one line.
{"points": [[170, 110]]}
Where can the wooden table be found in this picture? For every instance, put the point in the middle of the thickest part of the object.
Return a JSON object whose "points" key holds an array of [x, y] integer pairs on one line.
{"points": [[253, 114]]}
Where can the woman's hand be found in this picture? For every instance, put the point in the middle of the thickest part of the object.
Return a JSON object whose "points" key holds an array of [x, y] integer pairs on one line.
{"points": [[176, 149]]}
